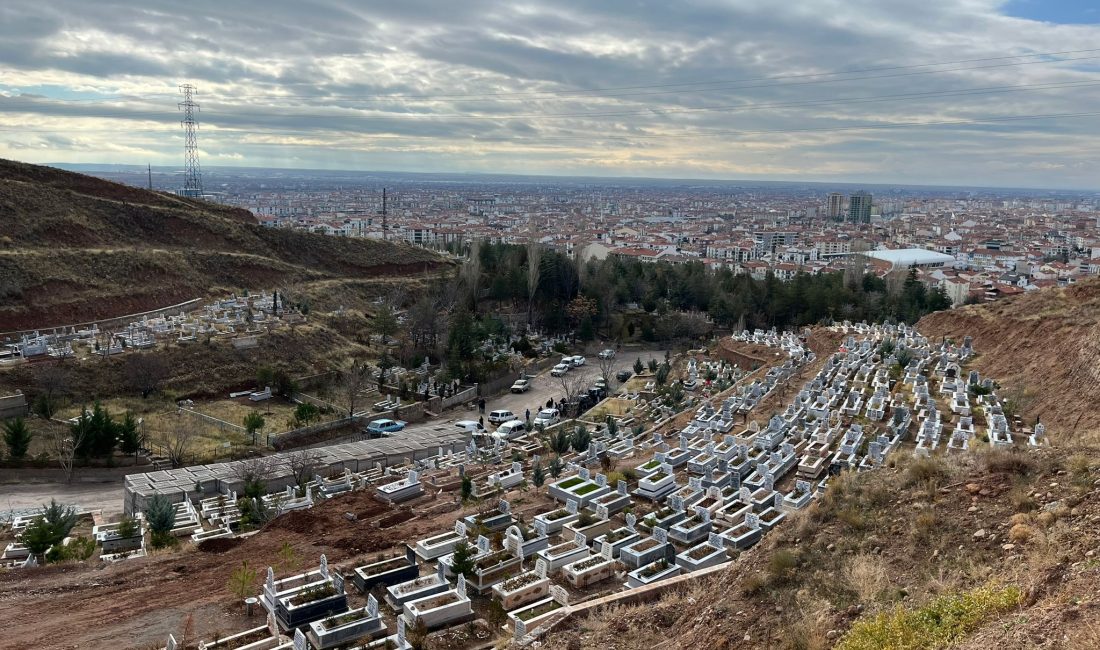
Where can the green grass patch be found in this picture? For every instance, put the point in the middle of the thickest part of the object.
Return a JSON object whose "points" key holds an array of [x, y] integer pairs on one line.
{"points": [[938, 624]]}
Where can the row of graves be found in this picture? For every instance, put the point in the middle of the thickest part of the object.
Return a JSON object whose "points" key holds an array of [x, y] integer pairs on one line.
{"points": [[703, 493], [113, 542], [236, 316]]}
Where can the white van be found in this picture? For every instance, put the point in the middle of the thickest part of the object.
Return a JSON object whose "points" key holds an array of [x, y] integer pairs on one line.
{"points": [[512, 429]]}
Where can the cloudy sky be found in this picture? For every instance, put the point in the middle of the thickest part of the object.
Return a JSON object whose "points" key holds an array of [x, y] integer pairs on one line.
{"points": [[936, 91]]}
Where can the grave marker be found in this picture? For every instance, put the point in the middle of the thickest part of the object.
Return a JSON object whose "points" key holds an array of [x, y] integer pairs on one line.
{"points": [[631, 520], [559, 594], [171, 645], [272, 624], [676, 502], [504, 507], [579, 538], [300, 640], [338, 583], [521, 629], [542, 568], [695, 483], [540, 528], [607, 550], [661, 535], [372, 606], [752, 521], [401, 632], [324, 566], [461, 588], [483, 544], [601, 511], [601, 480], [584, 473], [460, 528], [571, 507], [621, 487], [715, 540]]}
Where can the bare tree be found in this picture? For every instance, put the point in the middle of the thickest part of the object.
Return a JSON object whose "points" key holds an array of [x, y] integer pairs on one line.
{"points": [[302, 464], [470, 275], [607, 369], [572, 387], [63, 443], [53, 384], [145, 372], [534, 274], [178, 439], [352, 381], [254, 472]]}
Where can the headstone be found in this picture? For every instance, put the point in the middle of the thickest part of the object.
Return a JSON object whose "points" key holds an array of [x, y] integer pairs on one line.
{"points": [[715, 540], [300, 640], [802, 487], [622, 488], [461, 588], [540, 528], [372, 606], [521, 629], [324, 566], [504, 506], [441, 572], [483, 544], [171, 645], [559, 594], [607, 550], [272, 624], [745, 495], [601, 512], [401, 632], [542, 568], [695, 483], [579, 538], [584, 473], [269, 584], [769, 481], [460, 528], [676, 502], [601, 480], [631, 521], [661, 535], [338, 583], [752, 521], [571, 507]]}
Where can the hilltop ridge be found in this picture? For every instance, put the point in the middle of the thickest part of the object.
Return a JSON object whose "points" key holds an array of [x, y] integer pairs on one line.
{"points": [[74, 248]]}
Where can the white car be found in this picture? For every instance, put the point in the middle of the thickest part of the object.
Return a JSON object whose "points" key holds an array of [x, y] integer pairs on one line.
{"points": [[501, 416], [473, 426], [521, 386], [560, 369], [578, 360], [607, 354], [547, 417]]}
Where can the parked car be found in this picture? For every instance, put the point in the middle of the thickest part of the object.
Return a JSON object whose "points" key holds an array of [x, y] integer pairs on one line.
{"points": [[501, 416], [623, 375], [521, 385], [578, 360], [607, 354], [560, 369], [511, 429], [385, 425], [547, 417], [601, 384], [473, 426]]}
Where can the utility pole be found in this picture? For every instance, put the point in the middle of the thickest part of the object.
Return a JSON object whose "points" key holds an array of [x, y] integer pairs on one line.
{"points": [[150, 169], [192, 182], [385, 225]]}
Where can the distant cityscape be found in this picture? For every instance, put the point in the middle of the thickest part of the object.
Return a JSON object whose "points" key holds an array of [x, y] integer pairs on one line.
{"points": [[977, 244]]}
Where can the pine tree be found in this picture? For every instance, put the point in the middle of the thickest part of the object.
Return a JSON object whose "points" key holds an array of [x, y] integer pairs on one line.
{"points": [[462, 562], [538, 477], [129, 439], [17, 437]]}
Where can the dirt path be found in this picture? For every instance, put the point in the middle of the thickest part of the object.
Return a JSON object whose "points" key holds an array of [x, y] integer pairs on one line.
{"points": [[105, 496]]}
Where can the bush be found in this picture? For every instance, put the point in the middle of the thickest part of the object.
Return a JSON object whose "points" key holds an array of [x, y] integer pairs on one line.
{"points": [[127, 527], [938, 624], [925, 470], [17, 437], [782, 565], [160, 515], [77, 550], [1020, 533], [1004, 461]]}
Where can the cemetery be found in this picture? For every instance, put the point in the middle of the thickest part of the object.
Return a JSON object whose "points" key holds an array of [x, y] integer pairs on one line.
{"points": [[703, 484]]}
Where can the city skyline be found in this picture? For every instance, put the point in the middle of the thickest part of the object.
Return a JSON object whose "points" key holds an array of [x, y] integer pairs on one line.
{"points": [[970, 93]]}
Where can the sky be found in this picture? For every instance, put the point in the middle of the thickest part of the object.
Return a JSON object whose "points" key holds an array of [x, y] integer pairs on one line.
{"points": [[964, 92]]}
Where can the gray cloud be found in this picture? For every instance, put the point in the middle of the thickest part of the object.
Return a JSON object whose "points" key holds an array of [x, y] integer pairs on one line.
{"points": [[491, 86]]}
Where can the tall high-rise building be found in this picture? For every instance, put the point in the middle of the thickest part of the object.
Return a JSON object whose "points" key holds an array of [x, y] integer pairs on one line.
{"points": [[835, 205], [859, 207]]}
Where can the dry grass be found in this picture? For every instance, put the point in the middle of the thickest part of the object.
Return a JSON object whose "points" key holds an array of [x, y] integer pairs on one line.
{"points": [[866, 575], [1021, 533], [1005, 461]]}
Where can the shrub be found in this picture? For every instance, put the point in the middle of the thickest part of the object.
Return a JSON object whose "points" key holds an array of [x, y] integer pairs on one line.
{"points": [[77, 550], [938, 624], [925, 524], [242, 580], [127, 527], [925, 470], [753, 584], [467, 487], [1022, 500], [160, 515], [782, 565], [1004, 461], [1020, 533]]}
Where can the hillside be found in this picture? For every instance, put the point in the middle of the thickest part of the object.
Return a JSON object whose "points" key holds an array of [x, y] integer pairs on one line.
{"points": [[74, 248], [1043, 347]]}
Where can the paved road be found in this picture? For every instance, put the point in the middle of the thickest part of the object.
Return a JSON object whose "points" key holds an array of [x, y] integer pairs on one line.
{"points": [[90, 496]]}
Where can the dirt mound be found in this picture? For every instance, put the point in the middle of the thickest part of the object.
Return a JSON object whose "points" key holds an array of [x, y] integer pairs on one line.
{"points": [[1043, 347], [220, 545]]}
